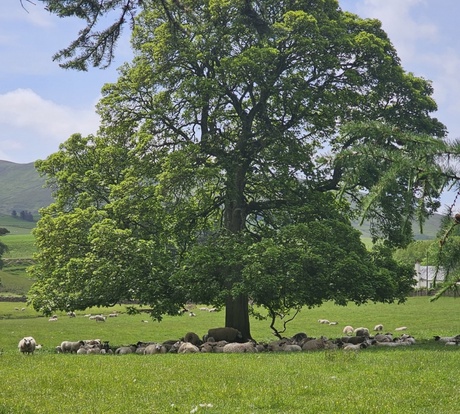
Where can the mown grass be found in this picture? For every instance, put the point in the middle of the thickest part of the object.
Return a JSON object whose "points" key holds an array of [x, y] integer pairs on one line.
{"points": [[422, 378]]}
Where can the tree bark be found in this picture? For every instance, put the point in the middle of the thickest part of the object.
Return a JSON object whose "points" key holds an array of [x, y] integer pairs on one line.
{"points": [[237, 315]]}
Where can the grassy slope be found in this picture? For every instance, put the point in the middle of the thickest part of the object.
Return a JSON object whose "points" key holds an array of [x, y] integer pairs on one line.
{"points": [[22, 188]]}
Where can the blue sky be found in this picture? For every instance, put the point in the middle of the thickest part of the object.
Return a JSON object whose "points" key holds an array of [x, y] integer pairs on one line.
{"points": [[41, 105]]}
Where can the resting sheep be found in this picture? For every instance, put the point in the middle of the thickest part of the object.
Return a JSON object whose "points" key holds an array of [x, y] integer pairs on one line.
{"points": [[224, 334], [71, 347], [348, 330], [378, 328], [447, 338], [361, 332], [193, 338], [239, 348], [185, 348], [153, 349], [27, 345]]}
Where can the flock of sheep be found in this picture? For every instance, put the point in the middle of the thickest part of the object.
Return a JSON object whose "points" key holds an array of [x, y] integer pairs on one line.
{"points": [[230, 340]]}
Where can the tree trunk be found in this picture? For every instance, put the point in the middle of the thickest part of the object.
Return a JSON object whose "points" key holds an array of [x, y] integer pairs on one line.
{"points": [[237, 315], [236, 308]]}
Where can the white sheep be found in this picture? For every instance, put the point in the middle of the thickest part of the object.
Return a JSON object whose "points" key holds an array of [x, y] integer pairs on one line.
{"points": [[186, 348], [236, 347], [401, 328], [71, 347], [53, 319], [154, 349], [100, 318], [378, 328], [324, 321], [27, 345], [348, 330], [447, 338]]}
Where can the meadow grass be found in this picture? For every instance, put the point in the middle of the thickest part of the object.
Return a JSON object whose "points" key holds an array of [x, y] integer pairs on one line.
{"points": [[422, 378], [20, 246]]}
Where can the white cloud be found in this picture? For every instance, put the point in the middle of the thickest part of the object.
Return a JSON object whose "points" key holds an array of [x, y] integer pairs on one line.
{"points": [[32, 127], [398, 20]]}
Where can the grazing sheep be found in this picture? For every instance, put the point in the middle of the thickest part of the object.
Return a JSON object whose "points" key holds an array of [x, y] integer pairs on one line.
{"points": [[239, 348], [100, 318], [324, 321], [224, 334], [71, 347], [378, 328], [27, 345], [113, 315], [348, 330], [193, 338]]}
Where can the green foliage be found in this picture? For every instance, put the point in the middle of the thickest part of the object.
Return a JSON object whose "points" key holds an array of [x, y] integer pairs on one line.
{"points": [[209, 167]]}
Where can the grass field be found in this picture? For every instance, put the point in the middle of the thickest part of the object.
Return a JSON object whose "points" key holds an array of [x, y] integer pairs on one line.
{"points": [[422, 378]]}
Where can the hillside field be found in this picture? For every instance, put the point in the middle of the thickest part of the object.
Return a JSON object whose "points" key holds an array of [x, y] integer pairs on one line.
{"points": [[421, 378]]}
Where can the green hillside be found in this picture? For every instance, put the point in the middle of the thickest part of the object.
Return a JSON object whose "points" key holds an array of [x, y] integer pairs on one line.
{"points": [[22, 188]]}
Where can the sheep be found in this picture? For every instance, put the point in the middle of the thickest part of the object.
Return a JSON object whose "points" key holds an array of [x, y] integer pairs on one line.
{"points": [[82, 351], [193, 338], [388, 337], [401, 328], [53, 319], [324, 321], [361, 332], [27, 345], [181, 347], [378, 328], [224, 334], [355, 347], [348, 330], [314, 344], [286, 347], [333, 323], [298, 338], [71, 347], [155, 349], [123, 350], [113, 315], [100, 318], [191, 314], [353, 339], [447, 338], [71, 314], [236, 347]]}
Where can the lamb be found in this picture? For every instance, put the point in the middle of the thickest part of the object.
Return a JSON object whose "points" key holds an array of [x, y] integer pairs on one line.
{"points": [[348, 330], [193, 338], [71, 347], [236, 347], [27, 345], [224, 334], [378, 328]]}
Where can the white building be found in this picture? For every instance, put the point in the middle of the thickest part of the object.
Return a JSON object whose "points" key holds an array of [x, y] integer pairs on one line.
{"points": [[425, 276]]}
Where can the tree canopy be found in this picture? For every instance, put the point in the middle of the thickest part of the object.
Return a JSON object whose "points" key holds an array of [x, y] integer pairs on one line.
{"points": [[233, 152]]}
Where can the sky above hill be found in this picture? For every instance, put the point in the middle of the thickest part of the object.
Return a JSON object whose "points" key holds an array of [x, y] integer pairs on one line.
{"points": [[41, 105]]}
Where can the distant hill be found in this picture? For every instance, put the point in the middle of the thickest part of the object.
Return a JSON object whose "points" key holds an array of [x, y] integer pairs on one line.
{"points": [[22, 188]]}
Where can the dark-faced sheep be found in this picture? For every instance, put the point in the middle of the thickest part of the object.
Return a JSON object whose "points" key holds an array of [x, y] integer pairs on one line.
{"points": [[27, 345], [193, 338], [225, 334]]}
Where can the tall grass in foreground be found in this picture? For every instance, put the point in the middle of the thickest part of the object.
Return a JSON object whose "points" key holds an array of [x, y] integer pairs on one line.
{"points": [[409, 379], [423, 378]]}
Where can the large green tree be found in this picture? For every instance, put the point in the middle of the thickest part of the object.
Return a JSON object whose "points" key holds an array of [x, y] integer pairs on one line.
{"points": [[233, 152]]}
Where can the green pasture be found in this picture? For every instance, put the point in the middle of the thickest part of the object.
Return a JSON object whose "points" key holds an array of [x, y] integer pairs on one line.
{"points": [[422, 378]]}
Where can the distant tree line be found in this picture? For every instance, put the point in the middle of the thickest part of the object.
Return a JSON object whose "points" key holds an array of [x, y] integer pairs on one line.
{"points": [[23, 215]]}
